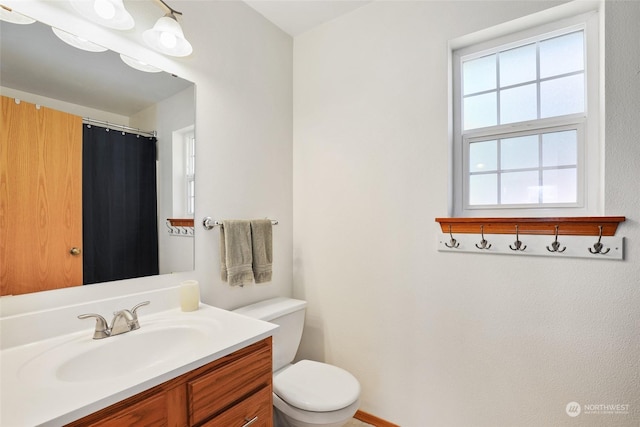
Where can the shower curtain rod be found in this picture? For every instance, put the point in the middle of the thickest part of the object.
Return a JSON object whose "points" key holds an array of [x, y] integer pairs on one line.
{"points": [[114, 126]]}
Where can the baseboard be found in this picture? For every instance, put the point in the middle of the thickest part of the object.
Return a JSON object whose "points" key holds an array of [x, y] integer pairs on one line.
{"points": [[373, 420]]}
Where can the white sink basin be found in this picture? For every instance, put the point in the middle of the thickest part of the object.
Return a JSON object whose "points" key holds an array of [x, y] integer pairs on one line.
{"points": [[83, 359], [54, 381]]}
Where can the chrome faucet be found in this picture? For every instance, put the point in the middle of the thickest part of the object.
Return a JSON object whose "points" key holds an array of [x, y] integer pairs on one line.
{"points": [[123, 321]]}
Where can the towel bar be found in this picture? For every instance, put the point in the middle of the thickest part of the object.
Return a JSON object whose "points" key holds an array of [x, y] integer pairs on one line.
{"points": [[208, 223]]}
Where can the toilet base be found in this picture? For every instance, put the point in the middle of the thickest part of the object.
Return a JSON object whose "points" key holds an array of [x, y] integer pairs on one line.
{"points": [[281, 420]]}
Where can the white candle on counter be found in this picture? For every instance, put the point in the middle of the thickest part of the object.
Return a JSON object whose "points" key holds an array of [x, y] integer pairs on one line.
{"points": [[189, 295]]}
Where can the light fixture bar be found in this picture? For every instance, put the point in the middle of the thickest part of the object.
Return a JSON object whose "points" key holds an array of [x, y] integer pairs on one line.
{"points": [[171, 10]]}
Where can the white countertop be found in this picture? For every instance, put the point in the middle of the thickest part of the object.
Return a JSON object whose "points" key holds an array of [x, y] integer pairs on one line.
{"points": [[34, 399]]}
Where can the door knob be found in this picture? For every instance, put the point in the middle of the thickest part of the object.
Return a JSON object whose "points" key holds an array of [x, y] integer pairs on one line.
{"points": [[75, 251]]}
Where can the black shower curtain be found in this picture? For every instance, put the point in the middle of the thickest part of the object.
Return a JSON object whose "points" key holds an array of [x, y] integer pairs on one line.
{"points": [[120, 225]]}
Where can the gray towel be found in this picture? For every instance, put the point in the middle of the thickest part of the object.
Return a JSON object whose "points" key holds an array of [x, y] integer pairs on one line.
{"points": [[261, 241], [236, 256]]}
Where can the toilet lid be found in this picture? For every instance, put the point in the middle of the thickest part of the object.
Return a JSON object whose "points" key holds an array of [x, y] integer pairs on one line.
{"points": [[315, 386]]}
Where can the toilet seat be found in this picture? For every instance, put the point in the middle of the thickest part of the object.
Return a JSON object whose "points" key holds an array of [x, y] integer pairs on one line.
{"points": [[315, 386]]}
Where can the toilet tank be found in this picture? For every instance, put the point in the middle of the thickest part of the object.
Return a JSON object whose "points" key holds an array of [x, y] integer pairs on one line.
{"points": [[288, 313]]}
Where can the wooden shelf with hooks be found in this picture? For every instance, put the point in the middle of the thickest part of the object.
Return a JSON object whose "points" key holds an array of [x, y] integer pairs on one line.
{"points": [[567, 226]]}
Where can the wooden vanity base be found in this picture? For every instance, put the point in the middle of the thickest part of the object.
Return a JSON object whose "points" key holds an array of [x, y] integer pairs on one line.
{"points": [[230, 391]]}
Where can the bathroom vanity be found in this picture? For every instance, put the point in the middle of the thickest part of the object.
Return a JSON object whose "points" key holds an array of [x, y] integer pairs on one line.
{"points": [[232, 391], [209, 367]]}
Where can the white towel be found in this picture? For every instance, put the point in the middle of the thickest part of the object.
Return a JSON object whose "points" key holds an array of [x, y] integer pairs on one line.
{"points": [[236, 257], [261, 242]]}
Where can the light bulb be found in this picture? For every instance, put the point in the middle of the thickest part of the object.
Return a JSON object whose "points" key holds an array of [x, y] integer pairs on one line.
{"points": [[168, 40], [108, 13], [104, 9], [167, 37]]}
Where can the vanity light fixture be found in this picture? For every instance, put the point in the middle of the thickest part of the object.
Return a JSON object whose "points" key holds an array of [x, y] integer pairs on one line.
{"points": [[108, 13], [139, 65], [77, 42], [166, 36], [8, 15]]}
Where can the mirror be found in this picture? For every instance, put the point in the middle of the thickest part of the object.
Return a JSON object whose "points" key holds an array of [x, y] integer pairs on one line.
{"points": [[39, 68]]}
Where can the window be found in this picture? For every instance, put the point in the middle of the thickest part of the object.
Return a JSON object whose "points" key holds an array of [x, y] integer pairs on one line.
{"points": [[183, 172], [526, 122], [190, 168]]}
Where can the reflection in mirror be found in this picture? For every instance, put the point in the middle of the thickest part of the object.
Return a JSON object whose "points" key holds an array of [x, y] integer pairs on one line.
{"points": [[55, 92]]}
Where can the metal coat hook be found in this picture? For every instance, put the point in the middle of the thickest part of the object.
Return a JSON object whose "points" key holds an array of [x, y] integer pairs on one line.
{"points": [[483, 243], [453, 243], [597, 247], [517, 243], [179, 230], [556, 245]]}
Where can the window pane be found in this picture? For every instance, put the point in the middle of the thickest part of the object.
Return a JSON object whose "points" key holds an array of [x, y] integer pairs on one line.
{"points": [[479, 74], [191, 160], [518, 104], [559, 186], [519, 153], [560, 148], [483, 189], [562, 96], [518, 65], [483, 156], [191, 200], [560, 55], [520, 187], [480, 111]]}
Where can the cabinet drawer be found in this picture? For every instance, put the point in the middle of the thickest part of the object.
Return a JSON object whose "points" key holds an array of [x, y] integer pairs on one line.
{"points": [[149, 412], [215, 391], [255, 411]]}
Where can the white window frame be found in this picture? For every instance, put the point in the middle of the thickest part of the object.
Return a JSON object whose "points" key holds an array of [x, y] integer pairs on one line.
{"points": [[180, 175], [190, 169], [588, 124]]}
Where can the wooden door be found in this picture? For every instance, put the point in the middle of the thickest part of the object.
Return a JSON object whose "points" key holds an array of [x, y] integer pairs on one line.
{"points": [[40, 198]]}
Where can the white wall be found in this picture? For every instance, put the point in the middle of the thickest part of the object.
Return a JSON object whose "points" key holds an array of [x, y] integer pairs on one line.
{"points": [[172, 114], [78, 110], [242, 68], [435, 338], [243, 72], [442, 339]]}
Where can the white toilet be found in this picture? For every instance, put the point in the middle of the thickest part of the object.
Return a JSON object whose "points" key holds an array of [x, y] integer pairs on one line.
{"points": [[305, 393]]}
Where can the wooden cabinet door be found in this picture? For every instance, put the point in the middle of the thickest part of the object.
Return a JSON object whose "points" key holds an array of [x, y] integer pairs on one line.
{"points": [[214, 391], [254, 411], [40, 198]]}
